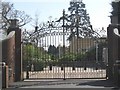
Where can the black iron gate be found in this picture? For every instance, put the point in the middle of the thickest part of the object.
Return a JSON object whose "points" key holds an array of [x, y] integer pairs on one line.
{"points": [[46, 58], [56, 52]]}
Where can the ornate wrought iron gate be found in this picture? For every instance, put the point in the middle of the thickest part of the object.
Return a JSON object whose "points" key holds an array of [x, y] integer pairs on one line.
{"points": [[53, 51]]}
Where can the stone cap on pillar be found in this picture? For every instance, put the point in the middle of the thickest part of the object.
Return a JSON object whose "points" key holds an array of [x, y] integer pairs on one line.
{"points": [[115, 0], [13, 23]]}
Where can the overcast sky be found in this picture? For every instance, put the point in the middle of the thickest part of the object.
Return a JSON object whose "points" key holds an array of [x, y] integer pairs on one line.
{"points": [[98, 10]]}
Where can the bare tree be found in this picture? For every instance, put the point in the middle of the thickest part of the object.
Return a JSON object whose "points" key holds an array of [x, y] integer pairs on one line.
{"points": [[36, 22], [9, 12], [0, 15]]}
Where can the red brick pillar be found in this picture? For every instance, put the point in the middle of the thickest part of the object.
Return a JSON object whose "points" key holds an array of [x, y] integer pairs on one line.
{"points": [[18, 60]]}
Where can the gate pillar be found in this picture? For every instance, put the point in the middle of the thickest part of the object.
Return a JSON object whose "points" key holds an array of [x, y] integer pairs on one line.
{"points": [[114, 53], [18, 61]]}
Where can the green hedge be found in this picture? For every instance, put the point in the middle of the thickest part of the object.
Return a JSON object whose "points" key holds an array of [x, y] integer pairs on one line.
{"points": [[38, 65]]}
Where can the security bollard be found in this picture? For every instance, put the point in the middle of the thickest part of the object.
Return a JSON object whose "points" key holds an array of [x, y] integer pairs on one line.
{"points": [[27, 73]]}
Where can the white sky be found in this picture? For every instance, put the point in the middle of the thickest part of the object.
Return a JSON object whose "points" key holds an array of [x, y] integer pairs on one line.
{"points": [[98, 10]]}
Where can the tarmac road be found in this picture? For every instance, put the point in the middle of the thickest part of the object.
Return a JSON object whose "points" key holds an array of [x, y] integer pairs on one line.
{"points": [[68, 83]]}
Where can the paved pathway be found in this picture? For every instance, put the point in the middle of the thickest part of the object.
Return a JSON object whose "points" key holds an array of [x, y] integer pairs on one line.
{"points": [[68, 83]]}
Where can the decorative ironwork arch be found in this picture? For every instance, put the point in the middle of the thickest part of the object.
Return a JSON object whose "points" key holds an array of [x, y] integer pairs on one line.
{"points": [[57, 46]]}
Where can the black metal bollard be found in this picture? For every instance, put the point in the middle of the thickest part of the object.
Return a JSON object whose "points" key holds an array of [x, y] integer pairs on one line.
{"points": [[118, 67], [50, 67], [73, 68], [117, 72], [62, 67], [27, 73]]}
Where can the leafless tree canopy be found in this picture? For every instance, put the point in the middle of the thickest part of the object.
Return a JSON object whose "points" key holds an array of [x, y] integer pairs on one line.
{"points": [[9, 12]]}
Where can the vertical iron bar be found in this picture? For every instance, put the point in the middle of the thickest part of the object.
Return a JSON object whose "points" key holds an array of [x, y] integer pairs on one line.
{"points": [[96, 52], [64, 42], [27, 68], [77, 25]]}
